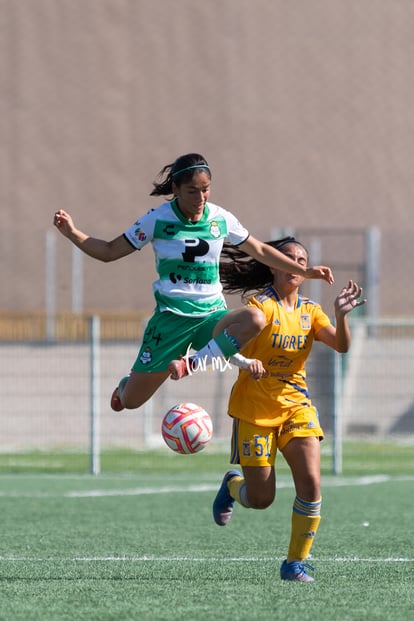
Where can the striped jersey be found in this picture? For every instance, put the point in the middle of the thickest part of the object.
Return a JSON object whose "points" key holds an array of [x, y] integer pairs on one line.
{"points": [[283, 347], [187, 255]]}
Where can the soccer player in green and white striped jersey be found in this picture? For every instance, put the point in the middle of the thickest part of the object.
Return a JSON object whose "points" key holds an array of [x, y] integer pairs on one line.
{"points": [[187, 233]]}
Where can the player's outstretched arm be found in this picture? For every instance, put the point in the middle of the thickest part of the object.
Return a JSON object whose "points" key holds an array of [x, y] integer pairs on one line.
{"points": [[274, 258], [322, 272], [97, 248]]}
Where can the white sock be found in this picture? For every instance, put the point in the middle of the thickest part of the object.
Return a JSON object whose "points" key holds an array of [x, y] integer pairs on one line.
{"points": [[206, 355]]}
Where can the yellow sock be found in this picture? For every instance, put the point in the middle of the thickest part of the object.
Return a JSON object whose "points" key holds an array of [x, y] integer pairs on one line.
{"points": [[305, 522], [237, 489]]}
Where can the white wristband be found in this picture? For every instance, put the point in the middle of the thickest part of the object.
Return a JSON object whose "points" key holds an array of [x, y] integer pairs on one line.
{"points": [[240, 361]]}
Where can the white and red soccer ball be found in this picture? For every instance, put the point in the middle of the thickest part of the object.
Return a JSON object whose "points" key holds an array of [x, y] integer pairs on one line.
{"points": [[187, 428]]}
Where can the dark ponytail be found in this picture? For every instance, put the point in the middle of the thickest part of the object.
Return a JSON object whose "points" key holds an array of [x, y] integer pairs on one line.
{"points": [[241, 273], [180, 171]]}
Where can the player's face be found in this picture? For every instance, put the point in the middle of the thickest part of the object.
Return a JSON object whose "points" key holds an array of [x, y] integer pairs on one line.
{"points": [[285, 281], [192, 196]]}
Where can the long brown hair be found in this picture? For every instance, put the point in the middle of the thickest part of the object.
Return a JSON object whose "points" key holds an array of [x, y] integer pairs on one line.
{"points": [[241, 273]]}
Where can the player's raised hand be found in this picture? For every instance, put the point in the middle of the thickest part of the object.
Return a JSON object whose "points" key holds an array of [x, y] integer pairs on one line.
{"points": [[322, 272], [349, 298], [63, 222]]}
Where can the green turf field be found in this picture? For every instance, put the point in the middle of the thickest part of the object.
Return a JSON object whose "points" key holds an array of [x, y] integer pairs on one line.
{"points": [[138, 542]]}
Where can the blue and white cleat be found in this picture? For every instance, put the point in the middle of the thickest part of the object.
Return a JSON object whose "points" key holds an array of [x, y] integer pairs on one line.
{"points": [[224, 503], [296, 571]]}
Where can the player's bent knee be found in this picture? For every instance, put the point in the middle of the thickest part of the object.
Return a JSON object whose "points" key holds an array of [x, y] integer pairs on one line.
{"points": [[257, 319]]}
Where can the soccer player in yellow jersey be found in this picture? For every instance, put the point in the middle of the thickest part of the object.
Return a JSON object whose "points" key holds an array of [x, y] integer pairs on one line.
{"points": [[270, 403]]}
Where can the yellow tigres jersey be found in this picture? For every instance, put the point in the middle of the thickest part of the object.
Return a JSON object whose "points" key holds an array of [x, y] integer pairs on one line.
{"points": [[283, 347]]}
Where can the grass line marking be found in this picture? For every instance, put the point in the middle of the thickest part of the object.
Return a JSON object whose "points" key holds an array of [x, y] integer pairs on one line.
{"points": [[327, 482], [188, 559]]}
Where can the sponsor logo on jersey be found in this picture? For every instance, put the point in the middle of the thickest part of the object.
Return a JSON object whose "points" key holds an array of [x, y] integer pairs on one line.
{"points": [[280, 361], [193, 267], [140, 235], [169, 229], [175, 277], [290, 428], [197, 281], [189, 280]]}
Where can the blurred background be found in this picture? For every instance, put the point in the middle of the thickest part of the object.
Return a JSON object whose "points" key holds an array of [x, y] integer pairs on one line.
{"points": [[304, 113]]}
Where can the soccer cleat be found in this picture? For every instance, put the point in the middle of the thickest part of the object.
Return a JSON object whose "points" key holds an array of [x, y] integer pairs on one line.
{"points": [[116, 403], [296, 571], [178, 368], [223, 503]]}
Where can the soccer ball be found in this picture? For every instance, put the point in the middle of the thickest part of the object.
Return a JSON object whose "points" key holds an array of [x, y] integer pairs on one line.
{"points": [[187, 428]]}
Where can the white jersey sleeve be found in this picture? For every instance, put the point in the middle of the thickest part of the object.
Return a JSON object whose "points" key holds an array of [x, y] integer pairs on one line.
{"points": [[236, 233], [142, 231]]}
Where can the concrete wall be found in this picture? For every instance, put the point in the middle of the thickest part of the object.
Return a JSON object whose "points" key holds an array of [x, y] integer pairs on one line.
{"points": [[303, 109]]}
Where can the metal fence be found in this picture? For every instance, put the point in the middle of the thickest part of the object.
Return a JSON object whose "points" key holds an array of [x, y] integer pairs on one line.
{"points": [[55, 395]]}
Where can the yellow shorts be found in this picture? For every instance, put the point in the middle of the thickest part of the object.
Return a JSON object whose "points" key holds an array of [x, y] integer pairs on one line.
{"points": [[252, 445]]}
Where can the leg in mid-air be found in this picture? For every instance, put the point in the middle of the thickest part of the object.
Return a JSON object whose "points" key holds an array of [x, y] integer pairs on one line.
{"points": [[166, 336], [254, 448], [135, 389], [231, 333], [254, 489]]}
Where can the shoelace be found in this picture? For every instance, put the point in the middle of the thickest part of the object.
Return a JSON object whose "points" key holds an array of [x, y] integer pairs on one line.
{"points": [[304, 566]]}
